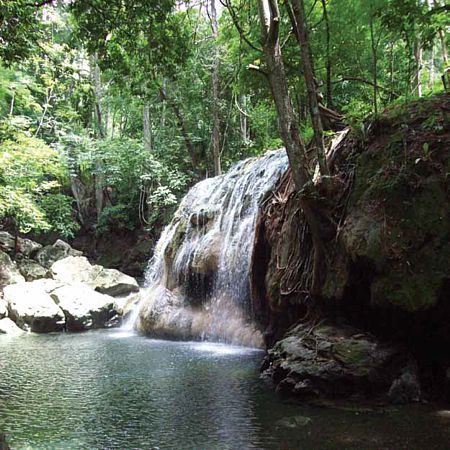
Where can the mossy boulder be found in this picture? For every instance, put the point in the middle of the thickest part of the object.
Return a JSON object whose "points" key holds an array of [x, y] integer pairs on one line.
{"points": [[333, 360]]}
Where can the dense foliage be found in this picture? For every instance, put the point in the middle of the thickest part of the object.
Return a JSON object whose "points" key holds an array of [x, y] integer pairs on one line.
{"points": [[107, 107]]}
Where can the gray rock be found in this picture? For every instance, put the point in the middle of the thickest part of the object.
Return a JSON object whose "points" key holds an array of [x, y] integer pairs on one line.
{"points": [[9, 273], [31, 307], [113, 282], [7, 242], [31, 270], [67, 248], [27, 247], [7, 326], [107, 281], [406, 388], [83, 307], [73, 269], [49, 254]]}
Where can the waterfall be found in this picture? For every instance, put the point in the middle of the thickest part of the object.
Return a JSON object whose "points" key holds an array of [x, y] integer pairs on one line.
{"points": [[197, 282]]}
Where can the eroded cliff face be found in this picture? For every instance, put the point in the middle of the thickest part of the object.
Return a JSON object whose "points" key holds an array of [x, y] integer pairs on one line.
{"points": [[388, 270]]}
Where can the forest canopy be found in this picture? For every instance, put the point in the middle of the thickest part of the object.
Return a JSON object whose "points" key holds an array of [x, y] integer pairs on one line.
{"points": [[112, 109]]}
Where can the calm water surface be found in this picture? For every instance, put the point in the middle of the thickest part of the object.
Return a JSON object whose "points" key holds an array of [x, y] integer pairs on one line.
{"points": [[110, 390]]}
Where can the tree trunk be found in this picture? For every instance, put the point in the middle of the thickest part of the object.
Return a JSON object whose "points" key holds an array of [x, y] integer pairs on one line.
{"points": [[444, 48], [243, 118], [215, 136], [431, 68], [147, 126], [81, 197], [289, 129], [418, 51], [98, 177], [182, 125], [328, 56], [299, 24], [374, 67]]}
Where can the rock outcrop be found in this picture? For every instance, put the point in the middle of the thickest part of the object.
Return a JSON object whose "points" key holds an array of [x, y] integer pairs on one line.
{"points": [[387, 269], [57, 290]]}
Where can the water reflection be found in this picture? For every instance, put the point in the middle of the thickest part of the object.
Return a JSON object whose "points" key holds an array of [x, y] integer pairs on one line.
{"points": [[107, 390]]}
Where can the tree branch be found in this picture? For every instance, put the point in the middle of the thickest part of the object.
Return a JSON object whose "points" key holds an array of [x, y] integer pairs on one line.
{"points": [[233, 15], [368, 82]]}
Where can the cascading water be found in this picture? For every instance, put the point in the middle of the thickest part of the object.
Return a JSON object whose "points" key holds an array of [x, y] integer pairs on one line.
{"points": [[197, 283]]}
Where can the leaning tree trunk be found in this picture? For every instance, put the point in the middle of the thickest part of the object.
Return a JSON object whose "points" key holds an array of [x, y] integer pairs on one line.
{"points": [[299, 24], [289, 130]]}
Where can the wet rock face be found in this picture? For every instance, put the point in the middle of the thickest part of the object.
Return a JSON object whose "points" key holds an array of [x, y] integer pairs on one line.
{"points": [[200, 267], [336, 361]]}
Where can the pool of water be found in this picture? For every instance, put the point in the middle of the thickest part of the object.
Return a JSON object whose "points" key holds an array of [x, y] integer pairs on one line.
{"points": [[112, 390]]}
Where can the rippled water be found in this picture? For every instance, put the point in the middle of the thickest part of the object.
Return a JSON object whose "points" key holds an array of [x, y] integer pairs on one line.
{"points": [[110, 390]]}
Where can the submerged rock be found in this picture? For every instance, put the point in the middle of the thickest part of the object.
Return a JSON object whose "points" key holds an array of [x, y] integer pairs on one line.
{"points": [[31, 307], [7, 326], [83, 307], [9, 273], [293, 422], [332, 361], [107, 281]]}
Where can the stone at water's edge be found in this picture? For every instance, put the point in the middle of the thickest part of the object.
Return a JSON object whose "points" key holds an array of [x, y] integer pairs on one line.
{"points": [[7, 326], [83, 307], [9, 273], [340, 361], [32, 308], [3, 308]]}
